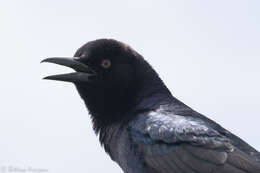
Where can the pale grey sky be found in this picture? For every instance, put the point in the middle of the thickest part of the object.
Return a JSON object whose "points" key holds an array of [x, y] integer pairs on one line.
{"points": [[207, 53]]}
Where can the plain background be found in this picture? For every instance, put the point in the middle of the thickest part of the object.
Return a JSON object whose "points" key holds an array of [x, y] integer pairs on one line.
{"points": [[207, 52]]}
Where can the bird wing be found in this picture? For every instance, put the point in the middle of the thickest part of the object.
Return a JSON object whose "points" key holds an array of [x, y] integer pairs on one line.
{"points": [[181, 144]]}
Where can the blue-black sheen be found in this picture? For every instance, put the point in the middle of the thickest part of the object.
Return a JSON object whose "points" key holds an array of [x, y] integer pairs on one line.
{"points": [[141, 125]]}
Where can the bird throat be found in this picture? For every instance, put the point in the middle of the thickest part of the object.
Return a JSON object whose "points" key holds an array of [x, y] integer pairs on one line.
{"points": [[107, 105]]}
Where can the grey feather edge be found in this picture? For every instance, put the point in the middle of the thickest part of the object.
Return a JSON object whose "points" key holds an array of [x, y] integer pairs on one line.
{"points": [[162, 126]]}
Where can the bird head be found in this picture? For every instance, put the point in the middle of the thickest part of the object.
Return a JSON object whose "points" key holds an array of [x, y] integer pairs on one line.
{"points": [[103, 63], [110, 76]]}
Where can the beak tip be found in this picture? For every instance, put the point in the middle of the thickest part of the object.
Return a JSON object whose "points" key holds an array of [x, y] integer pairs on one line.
{"points": [[45, 78], [45, 60], [48, 78]]}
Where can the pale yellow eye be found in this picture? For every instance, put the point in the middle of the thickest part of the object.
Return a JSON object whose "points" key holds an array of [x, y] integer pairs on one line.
{"points": [[106, 63]]}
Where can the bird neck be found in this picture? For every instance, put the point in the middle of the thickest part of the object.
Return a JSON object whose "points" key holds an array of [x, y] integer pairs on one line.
{"points": [[106, 106], [114, 105], [153, 93]]}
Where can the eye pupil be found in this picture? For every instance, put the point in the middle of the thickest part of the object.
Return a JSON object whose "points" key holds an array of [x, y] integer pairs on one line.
{"points": [[106, 63]]}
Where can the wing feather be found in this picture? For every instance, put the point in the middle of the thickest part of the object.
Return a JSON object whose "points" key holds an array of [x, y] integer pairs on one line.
{"points": [[183, 160], [176, 144], [242, 161]]}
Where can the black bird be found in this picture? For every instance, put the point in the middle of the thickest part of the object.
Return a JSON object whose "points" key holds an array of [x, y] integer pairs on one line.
{"points": [[141, 125]]}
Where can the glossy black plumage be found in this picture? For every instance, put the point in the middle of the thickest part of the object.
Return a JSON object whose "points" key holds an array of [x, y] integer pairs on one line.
{"points": [[141, 125]]}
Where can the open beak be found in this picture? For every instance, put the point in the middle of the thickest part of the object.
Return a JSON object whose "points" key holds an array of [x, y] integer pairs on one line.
{"points": [[83, 72]]}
